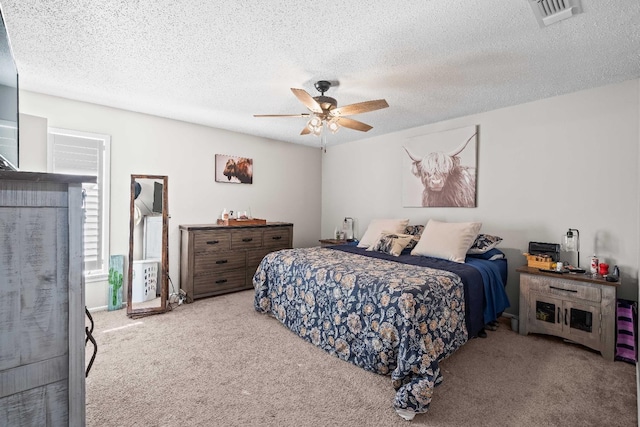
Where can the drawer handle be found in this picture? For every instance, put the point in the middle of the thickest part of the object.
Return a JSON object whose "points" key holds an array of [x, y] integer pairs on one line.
{"points": [[559, 318], [222, 261], [565, 317], [213, 242], [562, 289], [221, 281], [277, 237], [247, 239]]}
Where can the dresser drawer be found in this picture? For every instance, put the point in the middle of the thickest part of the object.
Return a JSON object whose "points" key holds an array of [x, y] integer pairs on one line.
{"points": [[562, 287], [255, 256], [209, 241], [277, 237], [224, 281], [218, 261], [246, 239]]}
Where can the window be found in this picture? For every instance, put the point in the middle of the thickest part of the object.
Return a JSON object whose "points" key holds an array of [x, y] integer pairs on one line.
{"points": [[80, 153], [9, 143]]}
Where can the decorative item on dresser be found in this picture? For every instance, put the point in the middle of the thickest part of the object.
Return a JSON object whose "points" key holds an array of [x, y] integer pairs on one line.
{"points": [[577, 307], [42, 344], [217, 259]]}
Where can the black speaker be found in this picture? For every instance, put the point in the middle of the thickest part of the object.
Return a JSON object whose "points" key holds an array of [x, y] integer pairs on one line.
{"points": [[551, 249]]}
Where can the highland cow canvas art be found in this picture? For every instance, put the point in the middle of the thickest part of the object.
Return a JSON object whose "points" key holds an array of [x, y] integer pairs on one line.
{"points": [[439, 170]]}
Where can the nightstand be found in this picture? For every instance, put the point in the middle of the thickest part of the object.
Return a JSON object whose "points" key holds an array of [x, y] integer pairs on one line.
{"points": [[577, 307], [331, 242]]}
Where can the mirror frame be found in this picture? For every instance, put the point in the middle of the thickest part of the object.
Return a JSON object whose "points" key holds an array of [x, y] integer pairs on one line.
{"points": [[163, 270]]}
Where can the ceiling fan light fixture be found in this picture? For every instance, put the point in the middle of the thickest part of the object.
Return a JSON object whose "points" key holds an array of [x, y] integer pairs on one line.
{"points": [[333, 125], [315, 122]]}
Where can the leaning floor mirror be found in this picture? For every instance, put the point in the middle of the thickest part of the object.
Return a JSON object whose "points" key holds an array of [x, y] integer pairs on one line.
{"points": [[148, 287]]}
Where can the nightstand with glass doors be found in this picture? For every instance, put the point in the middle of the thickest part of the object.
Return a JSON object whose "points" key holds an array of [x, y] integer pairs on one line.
{"points": [[578, 307]]}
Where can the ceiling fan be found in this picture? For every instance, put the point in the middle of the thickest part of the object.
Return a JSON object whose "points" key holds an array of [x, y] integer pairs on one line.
{"points": [[325, 111]]}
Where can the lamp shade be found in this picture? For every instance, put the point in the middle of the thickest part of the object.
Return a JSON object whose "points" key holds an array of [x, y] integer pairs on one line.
{"points": [[571, 243]]}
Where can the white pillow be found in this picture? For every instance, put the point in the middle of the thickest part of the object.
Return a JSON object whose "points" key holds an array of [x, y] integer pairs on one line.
{"points": [[377, 226], [448, 240]]}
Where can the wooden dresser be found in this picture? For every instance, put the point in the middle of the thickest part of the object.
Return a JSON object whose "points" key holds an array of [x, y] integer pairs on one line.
{"points": [[576, 307], [42, 311], [217, 259]]}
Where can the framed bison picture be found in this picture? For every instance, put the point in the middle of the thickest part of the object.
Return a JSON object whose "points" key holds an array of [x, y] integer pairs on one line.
{"points": [[234, 169], [440, 170]]}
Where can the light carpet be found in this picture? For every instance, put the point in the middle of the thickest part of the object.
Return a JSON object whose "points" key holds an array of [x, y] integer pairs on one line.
{"points": [[217, 362]]}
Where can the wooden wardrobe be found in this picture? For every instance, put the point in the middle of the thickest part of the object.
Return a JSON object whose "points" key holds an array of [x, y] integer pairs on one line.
{"points": [[42, 305]]}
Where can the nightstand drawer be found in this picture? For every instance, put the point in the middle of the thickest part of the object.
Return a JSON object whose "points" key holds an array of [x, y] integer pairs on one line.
{"points": [[562, 287]]}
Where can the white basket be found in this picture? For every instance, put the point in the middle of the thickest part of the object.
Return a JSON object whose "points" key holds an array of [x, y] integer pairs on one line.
{"points": [[145, 280]]}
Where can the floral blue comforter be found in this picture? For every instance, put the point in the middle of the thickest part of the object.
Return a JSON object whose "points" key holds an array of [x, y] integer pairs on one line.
{"points": [[384, 316]]}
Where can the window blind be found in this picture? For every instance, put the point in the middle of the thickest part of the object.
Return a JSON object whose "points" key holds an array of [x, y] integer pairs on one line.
{"points": [[77, 155]]}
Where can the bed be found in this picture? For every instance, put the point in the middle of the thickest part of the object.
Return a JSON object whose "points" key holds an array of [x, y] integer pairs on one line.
{"points": [[392, 315]]}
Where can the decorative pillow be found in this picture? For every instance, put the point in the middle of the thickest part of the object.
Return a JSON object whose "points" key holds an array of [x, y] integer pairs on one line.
{"points": [[490, 255], [391, 243], [447, 240], [377, 226], [414, 231], [484, 243]]}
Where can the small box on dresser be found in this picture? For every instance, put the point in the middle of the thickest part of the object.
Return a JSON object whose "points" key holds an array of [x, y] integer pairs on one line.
{"points": [[217, 259]]}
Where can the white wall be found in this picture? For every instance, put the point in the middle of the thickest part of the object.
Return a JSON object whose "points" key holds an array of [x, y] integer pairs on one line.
{"points": [[33, 137], [286, 184], [565, 162]]}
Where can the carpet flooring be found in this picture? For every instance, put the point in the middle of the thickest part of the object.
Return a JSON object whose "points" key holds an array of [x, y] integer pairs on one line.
{"points": [[217, 362]]}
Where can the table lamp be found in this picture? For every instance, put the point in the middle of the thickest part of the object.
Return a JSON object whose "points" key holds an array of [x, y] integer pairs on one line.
{"points": [[347, 227], [571, 243]]}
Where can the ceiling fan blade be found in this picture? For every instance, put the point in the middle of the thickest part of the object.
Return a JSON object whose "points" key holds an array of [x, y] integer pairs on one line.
{"points": [[360, 107], [353, 124], [282, 115], [305, 131], [307, 100]]}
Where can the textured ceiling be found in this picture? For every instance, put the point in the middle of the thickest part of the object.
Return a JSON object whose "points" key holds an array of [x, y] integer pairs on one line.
{"points": [[219, 62]]}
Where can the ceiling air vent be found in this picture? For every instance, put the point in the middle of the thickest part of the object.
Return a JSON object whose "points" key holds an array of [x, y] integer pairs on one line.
{"points": [[548, 12]]}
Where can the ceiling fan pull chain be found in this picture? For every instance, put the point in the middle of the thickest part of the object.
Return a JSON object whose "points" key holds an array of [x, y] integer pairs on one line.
{"points": [[323, 137]]}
